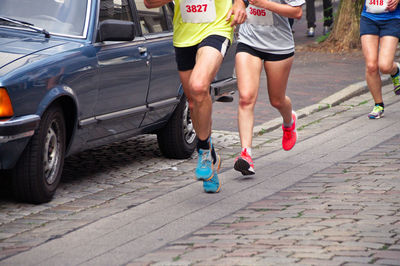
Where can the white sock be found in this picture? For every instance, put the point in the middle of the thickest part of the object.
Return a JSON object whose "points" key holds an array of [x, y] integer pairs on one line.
{"points": [[288, 125]]}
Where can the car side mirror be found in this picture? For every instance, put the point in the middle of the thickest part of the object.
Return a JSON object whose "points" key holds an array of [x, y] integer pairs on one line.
{"points": [[116, 30]]}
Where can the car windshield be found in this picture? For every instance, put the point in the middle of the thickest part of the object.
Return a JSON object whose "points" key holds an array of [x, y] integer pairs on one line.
{"points": [[60, 17]]}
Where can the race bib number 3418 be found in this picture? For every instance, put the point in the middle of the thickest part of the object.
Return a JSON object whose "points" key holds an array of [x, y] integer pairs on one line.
{"points": [[376, 6], [198, 11]]}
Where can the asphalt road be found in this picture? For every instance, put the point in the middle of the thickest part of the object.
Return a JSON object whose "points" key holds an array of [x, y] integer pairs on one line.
{"points": [[310, 80]]}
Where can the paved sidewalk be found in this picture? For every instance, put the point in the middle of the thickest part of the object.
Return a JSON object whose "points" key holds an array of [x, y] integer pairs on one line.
{"points": [[313, 77], [347, 213], [332, 200]]}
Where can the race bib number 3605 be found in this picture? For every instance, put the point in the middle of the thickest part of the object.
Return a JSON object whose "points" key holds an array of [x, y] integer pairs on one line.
{"points": [[259, 16], [198, 11], [376, 6]]}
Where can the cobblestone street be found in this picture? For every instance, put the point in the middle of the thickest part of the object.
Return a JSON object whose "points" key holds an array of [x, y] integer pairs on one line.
{"points": [[346, 213]]}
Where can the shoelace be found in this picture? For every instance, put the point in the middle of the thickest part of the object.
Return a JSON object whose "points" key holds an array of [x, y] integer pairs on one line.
{"points": [[287, 133], [376, 109], [205, 157]]}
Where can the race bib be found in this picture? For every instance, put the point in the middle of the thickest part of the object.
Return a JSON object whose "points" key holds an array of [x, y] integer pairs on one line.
{"points": [[259, 16], [198, 11], [376, 6]]}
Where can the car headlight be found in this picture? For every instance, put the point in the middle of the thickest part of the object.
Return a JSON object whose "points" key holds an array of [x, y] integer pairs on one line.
{"points": [[6, 110]]}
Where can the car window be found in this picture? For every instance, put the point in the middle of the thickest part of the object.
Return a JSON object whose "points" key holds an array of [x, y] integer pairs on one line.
{"points": [[152, 20], [64, 17], [115, 9]]}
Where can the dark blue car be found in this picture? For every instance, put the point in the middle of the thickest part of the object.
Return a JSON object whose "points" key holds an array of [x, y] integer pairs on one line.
{"points": [[77, 74]]}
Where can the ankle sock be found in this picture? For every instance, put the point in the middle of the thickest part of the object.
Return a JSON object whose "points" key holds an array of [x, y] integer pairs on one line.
{"points": [[203, 144], [380, 104], [288, 125]]}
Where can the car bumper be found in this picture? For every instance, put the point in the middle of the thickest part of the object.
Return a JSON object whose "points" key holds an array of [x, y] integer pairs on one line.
{"points": [[14, 135], [223, 88]]}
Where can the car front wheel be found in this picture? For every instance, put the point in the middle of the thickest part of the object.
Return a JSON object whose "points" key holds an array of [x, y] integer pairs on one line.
{"points": [[178, 139], [38, 171]]}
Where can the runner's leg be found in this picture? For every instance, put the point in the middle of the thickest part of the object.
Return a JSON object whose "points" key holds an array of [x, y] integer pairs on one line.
{"points": [[370, 47], [387, 51], [277, 78], [208, 61], [248, 71]]}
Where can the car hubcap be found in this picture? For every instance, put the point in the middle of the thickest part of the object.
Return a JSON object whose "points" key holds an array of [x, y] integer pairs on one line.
{"points": [[51, 153], [188, 129]]}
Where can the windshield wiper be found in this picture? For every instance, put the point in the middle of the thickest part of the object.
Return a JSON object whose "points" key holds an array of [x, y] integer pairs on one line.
{"points": [[26, 24]]}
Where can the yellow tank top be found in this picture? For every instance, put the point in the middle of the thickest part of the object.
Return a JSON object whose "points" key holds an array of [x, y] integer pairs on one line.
{"points": [[188, 33]]}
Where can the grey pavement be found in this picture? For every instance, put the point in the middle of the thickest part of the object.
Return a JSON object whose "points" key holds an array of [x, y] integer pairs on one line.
{"points": [[332, 200], [314, 76]]}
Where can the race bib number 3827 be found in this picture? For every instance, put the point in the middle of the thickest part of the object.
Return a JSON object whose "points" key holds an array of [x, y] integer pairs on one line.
{"points": [[198, 11], [376, 6]]}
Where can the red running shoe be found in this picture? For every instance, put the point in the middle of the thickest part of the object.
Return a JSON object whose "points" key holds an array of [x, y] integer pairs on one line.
{"points": [[289, 134], [244, 164]]}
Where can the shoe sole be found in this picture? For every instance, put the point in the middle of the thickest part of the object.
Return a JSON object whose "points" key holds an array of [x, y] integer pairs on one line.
{"points": [[375, 117], [218, 167], [211, 191], [243, 166]]}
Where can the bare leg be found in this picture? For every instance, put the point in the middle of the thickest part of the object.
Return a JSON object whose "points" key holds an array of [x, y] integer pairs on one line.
{"points": [[277, 78], [248, 71], [196, 85], [370, 47], [387, 51]]}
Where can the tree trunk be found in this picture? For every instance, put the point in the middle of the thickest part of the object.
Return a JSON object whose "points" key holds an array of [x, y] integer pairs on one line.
{"points": [[345, 34]]}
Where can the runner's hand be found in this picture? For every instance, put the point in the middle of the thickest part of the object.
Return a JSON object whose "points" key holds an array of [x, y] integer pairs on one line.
{"points": [[392, 4], [238, 11]]}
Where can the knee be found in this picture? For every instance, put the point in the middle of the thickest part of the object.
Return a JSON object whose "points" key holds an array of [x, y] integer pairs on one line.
{"points": [[372, 68], [246, 100], [277, 103], [386, 67], [199, 91]]}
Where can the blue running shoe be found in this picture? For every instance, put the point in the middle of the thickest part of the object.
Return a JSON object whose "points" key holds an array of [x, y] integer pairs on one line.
{"points": [[213, 185], [205, 168]]}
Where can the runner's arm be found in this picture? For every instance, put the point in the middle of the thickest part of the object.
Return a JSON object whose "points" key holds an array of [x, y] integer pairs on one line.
{"points": [[281, 9], [238, 11], [155, 3]]}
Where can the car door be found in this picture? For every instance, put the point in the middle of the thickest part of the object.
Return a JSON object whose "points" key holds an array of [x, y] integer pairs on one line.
{"points": [[124, 76], [156, 28]]}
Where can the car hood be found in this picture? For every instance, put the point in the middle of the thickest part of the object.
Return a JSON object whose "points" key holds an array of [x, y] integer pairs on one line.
{"points": [[24, 49]]}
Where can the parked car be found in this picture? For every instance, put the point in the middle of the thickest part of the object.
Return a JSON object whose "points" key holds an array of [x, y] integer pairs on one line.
{"points": [[79, 74]]}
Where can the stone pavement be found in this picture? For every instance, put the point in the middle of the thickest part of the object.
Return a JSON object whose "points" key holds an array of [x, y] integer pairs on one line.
{"points": [[313, 77], [332, 200], [345, 214]]}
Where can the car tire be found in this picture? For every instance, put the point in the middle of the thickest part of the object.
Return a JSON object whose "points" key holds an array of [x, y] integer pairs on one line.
{"points": [[38, 171], [177, 140]]}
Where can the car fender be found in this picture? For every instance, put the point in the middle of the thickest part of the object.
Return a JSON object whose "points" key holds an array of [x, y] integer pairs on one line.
{"points": [[66, 97]]}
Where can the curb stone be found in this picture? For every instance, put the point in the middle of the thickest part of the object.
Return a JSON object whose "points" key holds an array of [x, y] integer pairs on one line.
{"points": [[337, 98]]}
